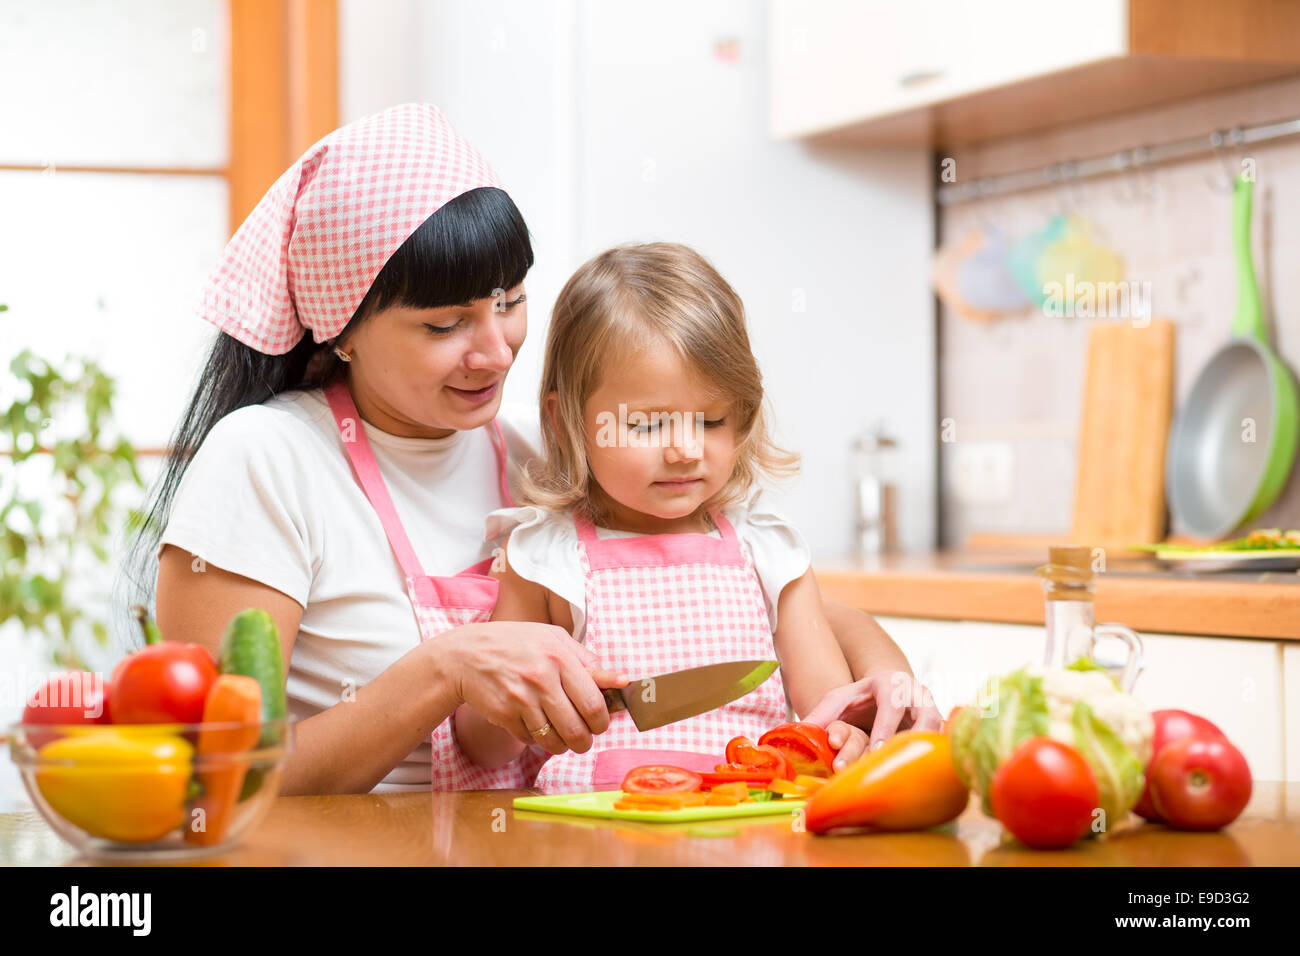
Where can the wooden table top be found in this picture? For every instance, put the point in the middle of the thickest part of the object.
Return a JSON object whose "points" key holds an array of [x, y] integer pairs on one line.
{"points": [[480, 828]]}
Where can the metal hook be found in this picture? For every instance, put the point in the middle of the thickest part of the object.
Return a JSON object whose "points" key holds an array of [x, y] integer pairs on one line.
{"points": [[1070, 176], [1055, 176], [1132, 165], [1234, 138]]}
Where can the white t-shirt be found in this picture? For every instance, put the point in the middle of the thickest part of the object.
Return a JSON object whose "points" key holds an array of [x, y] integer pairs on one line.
{"points": [[270, 495], [542, 547]]}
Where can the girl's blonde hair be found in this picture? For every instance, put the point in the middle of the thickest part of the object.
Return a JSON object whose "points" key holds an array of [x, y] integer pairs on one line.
{"points": [[620, 302]]}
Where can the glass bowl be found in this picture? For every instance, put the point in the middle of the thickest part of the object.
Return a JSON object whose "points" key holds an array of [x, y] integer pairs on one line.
{"points": [[151, 791]]}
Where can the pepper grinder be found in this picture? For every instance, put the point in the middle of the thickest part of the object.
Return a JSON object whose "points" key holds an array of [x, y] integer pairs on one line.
{"points": [[876, 492]]}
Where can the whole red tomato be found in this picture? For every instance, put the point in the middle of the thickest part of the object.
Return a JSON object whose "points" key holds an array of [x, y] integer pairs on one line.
{"points": [[74, 697], [162, 684], [1044, 793], [1200, 783], [1171, 725]]}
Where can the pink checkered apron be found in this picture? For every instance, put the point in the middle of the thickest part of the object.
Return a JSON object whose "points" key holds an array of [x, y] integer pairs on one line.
{"points": [[440, 603], [662, 603]]}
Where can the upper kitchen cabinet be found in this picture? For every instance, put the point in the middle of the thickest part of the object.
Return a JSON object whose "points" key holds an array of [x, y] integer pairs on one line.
{"points": [[949, 72]]}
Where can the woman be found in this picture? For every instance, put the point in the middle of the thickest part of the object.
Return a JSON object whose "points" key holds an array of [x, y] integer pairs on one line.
{"points": [[340, 480]]}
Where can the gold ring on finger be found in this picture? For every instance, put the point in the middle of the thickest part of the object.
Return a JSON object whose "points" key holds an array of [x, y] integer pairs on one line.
{"points": [[541, 731]]}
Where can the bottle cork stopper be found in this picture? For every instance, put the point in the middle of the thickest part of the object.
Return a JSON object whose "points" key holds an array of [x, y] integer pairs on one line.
{"points": [[1067, 565], [1071, 556]]}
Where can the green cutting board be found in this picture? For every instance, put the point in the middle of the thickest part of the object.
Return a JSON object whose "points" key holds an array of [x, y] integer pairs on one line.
{"points": [[602, 805]]}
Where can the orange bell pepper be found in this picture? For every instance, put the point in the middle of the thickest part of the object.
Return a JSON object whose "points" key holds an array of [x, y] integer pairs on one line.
{"points": [[907, 784]]}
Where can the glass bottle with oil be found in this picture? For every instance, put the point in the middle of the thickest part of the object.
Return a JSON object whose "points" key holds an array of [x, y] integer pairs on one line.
{"points": [[1072, 632]]}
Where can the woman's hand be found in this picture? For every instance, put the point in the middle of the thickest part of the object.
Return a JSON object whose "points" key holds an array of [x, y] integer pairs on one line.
{"points": [[524, 677], [883, 703]]}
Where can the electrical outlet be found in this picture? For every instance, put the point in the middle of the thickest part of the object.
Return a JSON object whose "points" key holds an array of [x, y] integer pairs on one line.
{"points": [[982, 472]]}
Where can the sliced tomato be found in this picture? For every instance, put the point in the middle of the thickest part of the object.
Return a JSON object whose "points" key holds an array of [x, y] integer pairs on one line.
{"points": [[743, 753], [805, 746], [733, 748], [660, 779], [727, 773]]}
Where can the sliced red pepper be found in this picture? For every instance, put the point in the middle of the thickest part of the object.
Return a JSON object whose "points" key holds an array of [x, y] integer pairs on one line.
{"points": [[727, 773]]}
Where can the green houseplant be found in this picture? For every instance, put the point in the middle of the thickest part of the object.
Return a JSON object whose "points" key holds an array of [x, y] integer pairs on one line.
{"points": [[59, 507]]}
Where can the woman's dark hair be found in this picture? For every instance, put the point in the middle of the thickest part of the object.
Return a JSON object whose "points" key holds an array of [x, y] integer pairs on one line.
{"points": [[474, 245]]}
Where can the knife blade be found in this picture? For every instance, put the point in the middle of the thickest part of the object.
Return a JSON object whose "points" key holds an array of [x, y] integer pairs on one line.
{"points": [[655, 701]]}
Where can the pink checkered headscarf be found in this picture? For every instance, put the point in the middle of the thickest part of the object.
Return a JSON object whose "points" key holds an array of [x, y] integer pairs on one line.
{"points": [[308, 253]]}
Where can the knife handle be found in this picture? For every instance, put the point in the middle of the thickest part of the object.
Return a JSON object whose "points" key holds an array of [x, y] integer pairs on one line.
{"points": [[613, 699]]}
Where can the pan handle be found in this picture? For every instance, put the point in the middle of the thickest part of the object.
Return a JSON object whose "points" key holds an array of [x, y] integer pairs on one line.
{"points": [[1248, 320]]}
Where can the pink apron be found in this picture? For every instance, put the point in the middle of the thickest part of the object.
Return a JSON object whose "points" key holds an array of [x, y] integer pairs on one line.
{"points": [[662, 603], [440, 603]]}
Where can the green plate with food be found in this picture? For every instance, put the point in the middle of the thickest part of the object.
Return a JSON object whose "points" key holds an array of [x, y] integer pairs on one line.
{"points": [[1265, 549]]}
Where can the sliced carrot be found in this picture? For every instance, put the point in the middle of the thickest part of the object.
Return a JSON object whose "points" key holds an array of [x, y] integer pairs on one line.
{"points": [[716, 799], [233, 699], [787, 788], [664, 801], [810, 784], [739, 790]]}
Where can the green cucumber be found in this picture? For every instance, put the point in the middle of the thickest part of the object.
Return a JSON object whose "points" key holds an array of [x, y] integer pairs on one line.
{"points": [[251, 646]]}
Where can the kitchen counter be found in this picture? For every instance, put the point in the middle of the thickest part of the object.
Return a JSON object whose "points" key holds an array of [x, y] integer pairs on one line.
{"points": [[1000, 585], [480, 828]]}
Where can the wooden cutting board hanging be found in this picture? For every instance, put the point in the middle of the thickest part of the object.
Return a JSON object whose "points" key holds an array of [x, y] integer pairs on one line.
{"points": [[1119, 496]]}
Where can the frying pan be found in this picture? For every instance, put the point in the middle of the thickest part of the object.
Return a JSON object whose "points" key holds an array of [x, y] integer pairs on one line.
{"points": [[1217, 478]]}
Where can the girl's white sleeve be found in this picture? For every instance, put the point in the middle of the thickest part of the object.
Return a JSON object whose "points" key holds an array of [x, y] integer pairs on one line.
{"points": [[542, 547], [778, 550]]}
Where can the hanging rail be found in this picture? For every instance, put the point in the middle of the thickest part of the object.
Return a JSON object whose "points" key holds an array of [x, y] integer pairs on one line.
{"points": [[1125, 161]]}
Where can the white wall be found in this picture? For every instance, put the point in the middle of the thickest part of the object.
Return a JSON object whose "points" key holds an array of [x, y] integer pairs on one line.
{"points": [[614, 122]]}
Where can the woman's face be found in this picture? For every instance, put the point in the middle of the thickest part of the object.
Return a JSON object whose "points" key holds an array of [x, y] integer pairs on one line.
{"points": [[424, 373]]}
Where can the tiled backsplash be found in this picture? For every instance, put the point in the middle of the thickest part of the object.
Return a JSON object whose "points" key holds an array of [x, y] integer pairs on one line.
{"points": [[1018, 381]]}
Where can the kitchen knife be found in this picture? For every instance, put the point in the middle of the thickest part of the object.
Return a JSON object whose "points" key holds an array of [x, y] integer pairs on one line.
{"points": [[655, 701]]}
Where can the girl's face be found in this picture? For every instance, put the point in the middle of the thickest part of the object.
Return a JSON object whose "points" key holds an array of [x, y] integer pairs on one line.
{"points": [[660, 442], [425, 373]]}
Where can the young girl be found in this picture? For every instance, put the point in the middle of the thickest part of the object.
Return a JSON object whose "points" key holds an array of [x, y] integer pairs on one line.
{"points": [[637, 539]]}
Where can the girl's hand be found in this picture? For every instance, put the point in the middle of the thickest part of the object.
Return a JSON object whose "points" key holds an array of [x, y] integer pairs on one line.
{"points": [[883, 703], [847, 741], [524, 677]]}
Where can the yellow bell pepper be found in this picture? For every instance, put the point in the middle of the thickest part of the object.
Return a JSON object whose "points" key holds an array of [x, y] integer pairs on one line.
{"points": [[128, 787]]}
